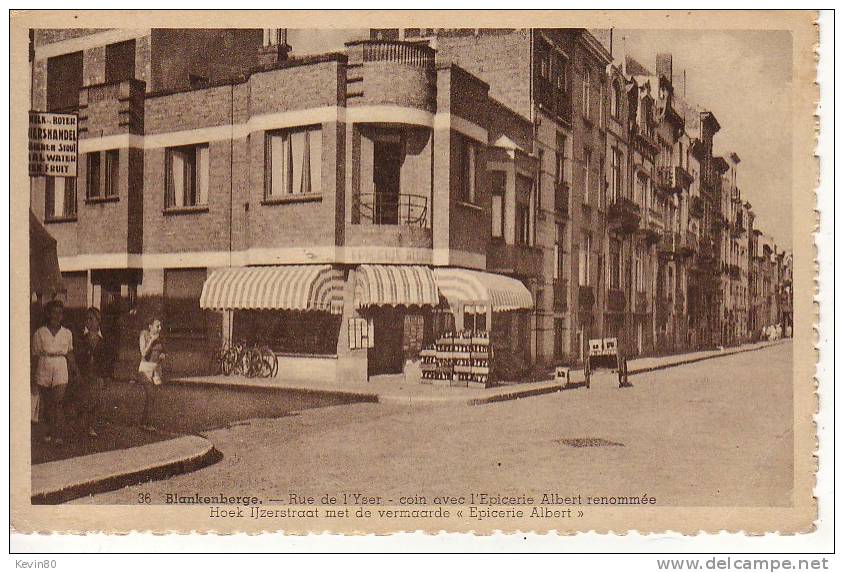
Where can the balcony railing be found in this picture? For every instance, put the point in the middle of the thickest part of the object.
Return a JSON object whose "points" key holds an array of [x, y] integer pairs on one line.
{"points": [[624, 214], [690, 244], [666, 179], [561, 294], [670, 243], [407, 53], [389, 209]]}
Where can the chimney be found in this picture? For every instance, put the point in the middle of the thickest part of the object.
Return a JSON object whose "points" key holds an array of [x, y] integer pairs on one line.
{"points": [[664, 67], [275, 47]]}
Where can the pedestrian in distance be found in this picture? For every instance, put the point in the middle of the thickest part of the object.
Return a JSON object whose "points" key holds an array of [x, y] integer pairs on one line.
{"points": [[52, 347], [94, 361], [149, 370]]}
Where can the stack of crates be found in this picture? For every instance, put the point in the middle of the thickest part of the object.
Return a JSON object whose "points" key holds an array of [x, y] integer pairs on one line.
{"points": [[458, 359]]}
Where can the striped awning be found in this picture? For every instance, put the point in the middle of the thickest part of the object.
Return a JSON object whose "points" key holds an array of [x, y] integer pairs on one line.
{"points": [[287, 287], [393, 285], [477, 287]]}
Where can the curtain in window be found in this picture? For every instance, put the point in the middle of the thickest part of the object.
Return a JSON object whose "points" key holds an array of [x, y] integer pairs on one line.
{"points": [[203, 173], [278, 168], [69, 196], [59, 196], [188, 177], [170, 184]]}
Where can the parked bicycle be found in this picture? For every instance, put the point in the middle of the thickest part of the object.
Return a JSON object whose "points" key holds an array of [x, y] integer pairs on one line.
{"points": [[250, 360]]}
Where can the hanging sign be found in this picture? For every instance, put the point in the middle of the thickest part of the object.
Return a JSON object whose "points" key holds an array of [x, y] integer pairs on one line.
{"points": [[53, 146]]}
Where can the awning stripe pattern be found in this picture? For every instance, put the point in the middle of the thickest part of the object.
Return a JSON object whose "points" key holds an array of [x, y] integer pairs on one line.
{"points": [[393, 285], [477, 287], [289, 287]]}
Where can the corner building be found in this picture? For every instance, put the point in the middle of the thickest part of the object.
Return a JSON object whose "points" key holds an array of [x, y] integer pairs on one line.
{"points": [[344, 208]]}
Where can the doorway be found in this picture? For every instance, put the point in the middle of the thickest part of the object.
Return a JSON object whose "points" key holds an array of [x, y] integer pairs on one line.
{"points": [[386, 175], [387, 355]]}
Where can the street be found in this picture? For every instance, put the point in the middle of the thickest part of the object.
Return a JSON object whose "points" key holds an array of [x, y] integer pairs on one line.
{"points": [[716, 432]]}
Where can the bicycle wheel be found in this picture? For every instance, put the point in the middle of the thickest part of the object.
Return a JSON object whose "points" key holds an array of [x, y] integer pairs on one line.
{"points": [[270, 361]]}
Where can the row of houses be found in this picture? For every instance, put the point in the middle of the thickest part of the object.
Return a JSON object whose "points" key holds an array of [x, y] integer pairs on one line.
{"points": [[348, 207]]}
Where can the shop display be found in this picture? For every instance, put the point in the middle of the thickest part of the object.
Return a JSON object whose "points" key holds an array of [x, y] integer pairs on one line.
{"points": [[458, 359]]}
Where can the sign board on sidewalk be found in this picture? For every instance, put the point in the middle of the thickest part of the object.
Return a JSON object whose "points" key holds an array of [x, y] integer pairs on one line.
{"points": [[361, 333], [53, 146]]}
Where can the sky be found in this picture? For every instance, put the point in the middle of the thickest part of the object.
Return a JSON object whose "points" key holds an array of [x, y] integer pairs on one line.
{"points": [[745, 78]]}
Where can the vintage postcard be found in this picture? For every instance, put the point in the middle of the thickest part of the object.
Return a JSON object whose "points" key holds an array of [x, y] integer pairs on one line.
{"points": [[553, 272]]}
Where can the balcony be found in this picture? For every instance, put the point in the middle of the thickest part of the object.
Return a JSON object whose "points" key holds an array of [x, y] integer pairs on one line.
{"points": [[388, 209], [521, 260], [696, 207], [737, 230], [585, 298], [641, 302], [666, 180], [616, 300], [382, 72], [561, 294], [561, 199], [624, 215]]}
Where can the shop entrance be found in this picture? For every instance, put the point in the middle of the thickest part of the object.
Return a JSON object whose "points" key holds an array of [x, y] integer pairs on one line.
{"points": [[387, 356]]}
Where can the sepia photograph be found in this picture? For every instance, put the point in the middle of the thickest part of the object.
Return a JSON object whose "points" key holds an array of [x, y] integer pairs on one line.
{"points": [[374, 279]]}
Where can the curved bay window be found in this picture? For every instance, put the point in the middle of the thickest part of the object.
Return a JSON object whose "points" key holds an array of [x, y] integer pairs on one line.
{"points": [[289, 331]]}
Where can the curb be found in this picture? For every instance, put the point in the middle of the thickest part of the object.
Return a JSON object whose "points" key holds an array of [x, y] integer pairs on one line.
{"points": [[204, 454], [517, 394], [351, 394]]}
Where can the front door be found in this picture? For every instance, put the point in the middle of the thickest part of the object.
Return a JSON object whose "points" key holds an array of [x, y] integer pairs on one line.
{"points": [[387, 356]]}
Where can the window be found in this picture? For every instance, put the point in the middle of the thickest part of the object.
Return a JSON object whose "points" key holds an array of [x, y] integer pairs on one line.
{"points": [[587, 87], [498, 190], [94, 176], [474, 317], [120, 62], [615, 166], [539, 180], [313, 333], [559, 243], [182, 315], [601, 103], [584, 256], [544, 55], [560, 167], [587, 169], [562, 76], [112, 173], [187, 176], [465, 164], [293, 162], [615, 100], [60, 198], [524, 219], [64, 80], [615, 264]]}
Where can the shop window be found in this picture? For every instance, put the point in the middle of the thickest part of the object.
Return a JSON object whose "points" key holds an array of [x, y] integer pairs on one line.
{"points": [[64, 80], [187, 176], [293, 162], [60, 198], [474, 317], [120, 61], [182, 315], [293, 332]]}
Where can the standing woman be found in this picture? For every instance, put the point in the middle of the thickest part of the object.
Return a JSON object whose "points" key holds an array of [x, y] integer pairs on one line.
{"points": [[94, 363], [149, 370], [52, 347]]}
